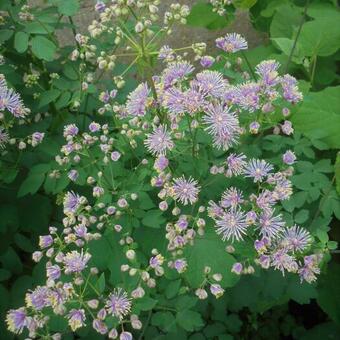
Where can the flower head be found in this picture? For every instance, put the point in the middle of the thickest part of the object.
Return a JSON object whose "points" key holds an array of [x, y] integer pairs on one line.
{"points": [[232, 43], [75, 262], [71, 202], [16, 320], [270, 226], [76, 318], [175, 72], [257, 169], [138, 100], [296, 238], [185, 190], [159, 141], [118, 303], [232, 225]]}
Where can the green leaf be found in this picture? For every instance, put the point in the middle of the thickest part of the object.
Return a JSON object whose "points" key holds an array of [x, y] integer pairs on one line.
{"points": [[43, 48], [48, 97], [286, 46], [172, 288], [329, 292], [146, 303], [101, 283], [5, 35], [24, 243], [244, 4], [34, 180], [68, 7], [319, 116], [36, 27], [202, 15], [209, 251], [163, 320], [153, 219], [4, 274], [337, 172], [189, 320], [320, 37], [21, 41], [301, 216]]}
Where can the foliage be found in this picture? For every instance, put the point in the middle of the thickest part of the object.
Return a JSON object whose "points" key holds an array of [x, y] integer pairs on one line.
{"points": [[127, 200]]}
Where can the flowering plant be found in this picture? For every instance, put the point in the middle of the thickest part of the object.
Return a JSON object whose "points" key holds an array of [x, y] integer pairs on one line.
{"points": [[174, 195]]}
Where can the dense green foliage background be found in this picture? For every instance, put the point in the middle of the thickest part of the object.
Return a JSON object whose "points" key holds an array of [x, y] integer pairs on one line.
{"points": [[304, 36]]}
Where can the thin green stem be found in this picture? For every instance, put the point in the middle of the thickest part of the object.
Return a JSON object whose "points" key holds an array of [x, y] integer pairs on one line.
{"points": [[249, 65], [297, 35]]}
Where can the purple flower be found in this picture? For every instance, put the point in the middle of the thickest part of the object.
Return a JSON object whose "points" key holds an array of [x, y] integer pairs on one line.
{"points": [[161, 163], [159, 141], [257, 169], [223, 125], [4, 138], [287, 127], [310, 268], [73, 175], [254, 127], [99, 326], [289, 157], [71, 202], [216, 290], [237, 268], [236, 164], [11, 101], [138, 100], [185, 191], [231, 198], [125, 336], [232, 225], [76, 318], [270, 226], [267, 70], [100, 6], [207, 61], [282, 261], [210, 83], [39, 298], [37, 138], [16, 320], [180, 265], [166, 53], [118, 303], [115, 155], [296, 239], [75, 262], [247, 96], [291, 92], [45, 241], [94, 127], [232, 43], [53, 271], [175, 72], [70, 130]]}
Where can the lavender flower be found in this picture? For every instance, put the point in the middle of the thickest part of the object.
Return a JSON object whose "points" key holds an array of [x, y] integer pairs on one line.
{"points": [[11, 101], [159, 141], [70, 130], [125, 336], [39, 298], [115, 155], [207, 61], [210, 83], [37, 138], [231, 198], [53, 272], [232, 43], [247, 96], [232, 225], [4, 138], [257, 169], [175, 72], [99, 326], [16, 320], [236, 164], [237, 268], [118, 303], [166, 53], [282, 261], [73, 175], [161, 163], [185, 191], [138, 100], [71, 202], [291, 92], [223, 125], [310, 268], [45, 241], [296, 239], [289, 157], [76, 318], [75, 262], [270, 226], [267, 70]]}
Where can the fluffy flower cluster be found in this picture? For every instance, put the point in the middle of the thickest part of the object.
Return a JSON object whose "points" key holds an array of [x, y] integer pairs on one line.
{"points": [[12, 111]]}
